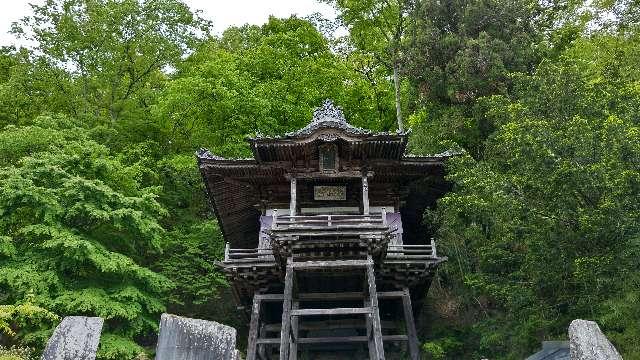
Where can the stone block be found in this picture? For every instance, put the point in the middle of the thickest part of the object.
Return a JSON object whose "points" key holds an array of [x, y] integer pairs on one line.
{"points": [[194, 339], [75, 338], [587, 342]]}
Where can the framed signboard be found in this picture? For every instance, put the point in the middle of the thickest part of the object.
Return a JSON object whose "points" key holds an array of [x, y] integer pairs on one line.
{"points": [[330, 193]]}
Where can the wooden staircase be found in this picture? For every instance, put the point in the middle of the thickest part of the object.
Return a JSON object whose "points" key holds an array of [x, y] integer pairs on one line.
{"points": [[294, 309]]}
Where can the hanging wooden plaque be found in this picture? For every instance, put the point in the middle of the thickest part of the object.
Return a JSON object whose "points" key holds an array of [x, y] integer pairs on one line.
{"points": [[330, 193]]}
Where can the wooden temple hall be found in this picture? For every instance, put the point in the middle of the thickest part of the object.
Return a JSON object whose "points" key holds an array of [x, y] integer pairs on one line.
{"points": [[326, 245]]}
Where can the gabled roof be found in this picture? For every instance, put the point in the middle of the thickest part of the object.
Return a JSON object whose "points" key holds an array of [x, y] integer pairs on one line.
{"points": [[329, 124]]}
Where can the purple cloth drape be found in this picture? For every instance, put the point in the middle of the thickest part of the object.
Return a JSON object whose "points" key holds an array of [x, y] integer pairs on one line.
{"points": [[263, 238], [395, 221]]}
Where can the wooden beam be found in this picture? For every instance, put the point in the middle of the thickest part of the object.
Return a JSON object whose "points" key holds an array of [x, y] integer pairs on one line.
{"points": [[332, 324], [394, 337], [262, 350], [270, 297], [293, 347], [345, 339], [366, 231], [412, 336], [347, 295], [365, 194], [269, 341], [253, 329], [375, 314], [330, 175], [331, 264], [332, 339], [286, 311], [294, 192], [334, 311], [390, 294], [369, 327], [332, 296]]}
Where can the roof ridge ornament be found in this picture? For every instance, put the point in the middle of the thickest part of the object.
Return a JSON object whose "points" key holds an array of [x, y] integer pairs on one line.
{"points": [[327, 116], [328, 111]]}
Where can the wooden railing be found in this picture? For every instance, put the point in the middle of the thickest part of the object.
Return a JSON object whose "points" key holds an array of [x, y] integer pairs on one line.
{"points": [[412, 252], [283, 222], [247, 255], [406, 252]]}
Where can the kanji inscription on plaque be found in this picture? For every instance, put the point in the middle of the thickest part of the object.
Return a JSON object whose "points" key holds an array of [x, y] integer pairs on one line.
{"points": [[332, 193]]}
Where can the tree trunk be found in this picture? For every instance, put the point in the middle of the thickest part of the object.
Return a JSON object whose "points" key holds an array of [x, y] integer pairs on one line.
{"points": [[396, 84]]}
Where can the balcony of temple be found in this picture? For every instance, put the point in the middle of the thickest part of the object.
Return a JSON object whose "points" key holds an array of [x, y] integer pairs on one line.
{"points": [[329, 236], [257, 270]]}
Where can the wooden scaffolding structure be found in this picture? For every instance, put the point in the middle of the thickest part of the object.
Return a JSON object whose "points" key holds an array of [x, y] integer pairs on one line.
{"points": [[289, 333]]}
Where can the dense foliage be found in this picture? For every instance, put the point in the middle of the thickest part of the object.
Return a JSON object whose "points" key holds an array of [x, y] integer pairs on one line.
{"points": [[102, 209], [546, 229]]}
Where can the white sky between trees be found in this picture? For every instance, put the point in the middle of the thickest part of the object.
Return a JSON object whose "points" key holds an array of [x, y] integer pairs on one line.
{"points": [[223, 13]]}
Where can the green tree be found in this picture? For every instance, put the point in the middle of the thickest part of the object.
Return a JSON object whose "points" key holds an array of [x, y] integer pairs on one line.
{"points": [[192, 246], [30, 86], [545, 228], [114, 49], [24, 315], [260, 80], [378, 28], [459, 51], [79, 231]]}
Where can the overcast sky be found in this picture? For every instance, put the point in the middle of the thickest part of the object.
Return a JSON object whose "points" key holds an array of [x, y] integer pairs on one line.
{"points": [[223, 13]]}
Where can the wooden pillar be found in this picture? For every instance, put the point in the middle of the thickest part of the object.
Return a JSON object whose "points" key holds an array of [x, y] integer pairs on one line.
{"points": [[293, 346], [412, 336], [294, 193], [375, 313], [262, 349], [365, 194], [253, 328], [369, 325], [285, 327], [433, 249]]}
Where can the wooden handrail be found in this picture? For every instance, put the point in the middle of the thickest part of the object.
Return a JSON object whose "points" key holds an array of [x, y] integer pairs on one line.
{"points": [[255, 254], [328, 220], [249, 251], [413, 252], [335, 216]]}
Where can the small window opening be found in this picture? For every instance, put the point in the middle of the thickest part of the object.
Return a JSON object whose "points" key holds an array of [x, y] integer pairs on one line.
{"points": [[328, 158]]}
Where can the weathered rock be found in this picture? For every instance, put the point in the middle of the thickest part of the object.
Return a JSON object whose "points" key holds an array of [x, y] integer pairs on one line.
{"points": [[75, 338], [194, 339], [587, 342]]}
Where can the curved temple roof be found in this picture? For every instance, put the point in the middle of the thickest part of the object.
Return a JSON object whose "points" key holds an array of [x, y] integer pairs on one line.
{"points": [[233, 185]]}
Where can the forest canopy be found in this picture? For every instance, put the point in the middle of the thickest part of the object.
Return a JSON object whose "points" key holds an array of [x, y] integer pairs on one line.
{"points": [[103, 212]]}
